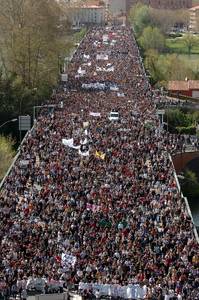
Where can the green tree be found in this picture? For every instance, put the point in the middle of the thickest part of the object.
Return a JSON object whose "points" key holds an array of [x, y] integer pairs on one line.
{"points": [[152, 38], [163, 68], [6, 154], [152, 64], [15, 98], [33, 37], [180, 121], [166, 19], [190, 41], [177, 69], [140, 18], [196, 116]]}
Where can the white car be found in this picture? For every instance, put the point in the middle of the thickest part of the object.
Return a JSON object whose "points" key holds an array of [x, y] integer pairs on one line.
{"points": [[113, 116]]}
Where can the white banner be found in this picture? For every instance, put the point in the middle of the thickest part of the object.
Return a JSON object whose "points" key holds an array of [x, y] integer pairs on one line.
{"points": [[70, 144], [102, 57], [68, 260], [86, 57], [96, 86], [81, 72], [114, 88], [93, 114], [107, 69], [120, 95]]}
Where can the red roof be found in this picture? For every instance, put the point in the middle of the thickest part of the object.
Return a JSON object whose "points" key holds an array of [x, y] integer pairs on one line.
{"points": [[183, 85], [194, 8], [88, 4]]}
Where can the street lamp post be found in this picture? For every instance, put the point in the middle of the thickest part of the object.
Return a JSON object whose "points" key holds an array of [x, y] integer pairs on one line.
{"points": [[9, 121]]}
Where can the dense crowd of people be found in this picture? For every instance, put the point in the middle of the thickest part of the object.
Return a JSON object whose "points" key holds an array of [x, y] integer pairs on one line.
{"points": [[102, 207]]}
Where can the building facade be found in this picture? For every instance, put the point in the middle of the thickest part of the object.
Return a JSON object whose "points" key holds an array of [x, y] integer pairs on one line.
{"points": [[87, 14], [194, 19], [117, 7], [161, 4]]}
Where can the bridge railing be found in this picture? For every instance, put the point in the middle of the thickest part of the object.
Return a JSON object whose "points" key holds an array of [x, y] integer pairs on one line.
{"points": [[185, 200]]}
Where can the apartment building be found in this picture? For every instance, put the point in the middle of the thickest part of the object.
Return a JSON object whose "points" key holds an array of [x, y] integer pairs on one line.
{"points": [[87, 13], [161, 4], [194, 19]]}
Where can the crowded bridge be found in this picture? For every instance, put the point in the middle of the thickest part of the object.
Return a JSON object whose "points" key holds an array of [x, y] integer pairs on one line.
{"points": [[92, 200]]}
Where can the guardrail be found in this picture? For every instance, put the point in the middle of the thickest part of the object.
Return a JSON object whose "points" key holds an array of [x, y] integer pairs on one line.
{"points": [[183, 97], [185, 200]]}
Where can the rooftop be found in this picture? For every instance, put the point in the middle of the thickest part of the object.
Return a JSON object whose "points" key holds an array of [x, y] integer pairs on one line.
{"points": [[194, 8], [183, 85], [88, 4]]}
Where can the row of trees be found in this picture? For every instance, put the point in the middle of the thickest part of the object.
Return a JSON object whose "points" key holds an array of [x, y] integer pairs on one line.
{"points": [[152, 27], [164, 67], [6, 154], [143, 16], [153, 38], [35, 37]]}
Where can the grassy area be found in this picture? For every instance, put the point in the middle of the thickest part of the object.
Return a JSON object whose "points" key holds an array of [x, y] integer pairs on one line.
{"points": [[192, 61], [177, 45]]}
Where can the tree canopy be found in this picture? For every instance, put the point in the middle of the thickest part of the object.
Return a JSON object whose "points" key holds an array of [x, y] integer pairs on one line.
{"points": [[6, 154], [31, 34], [142, 16], [190, 41], [152, 38], [35, 38]]}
